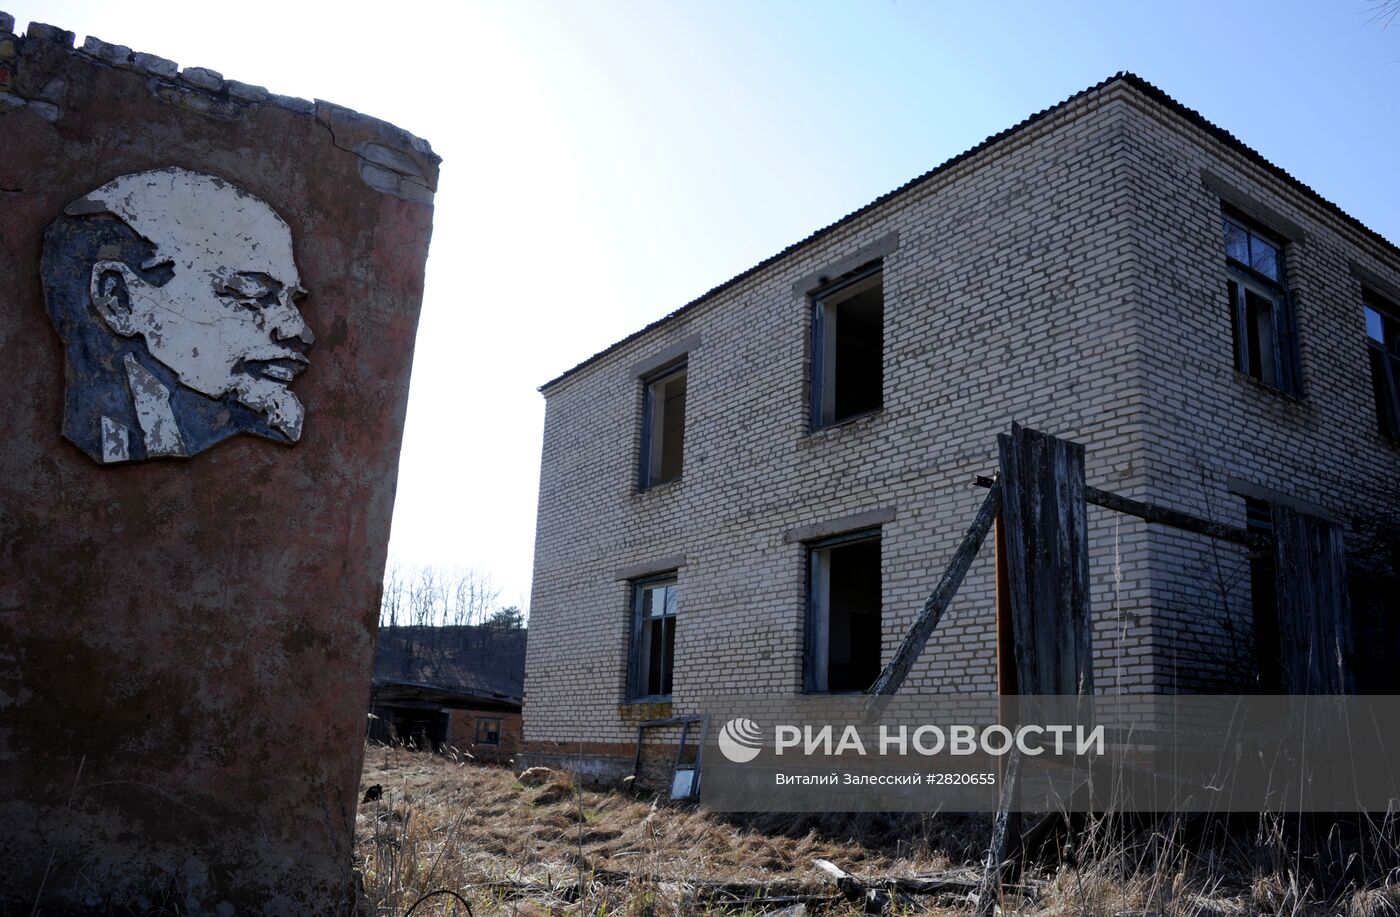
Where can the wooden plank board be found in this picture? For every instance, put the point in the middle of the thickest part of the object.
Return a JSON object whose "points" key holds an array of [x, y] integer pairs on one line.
{"points": [[1161, 515], [1047, 560], [989, 895], [1314, 608]]}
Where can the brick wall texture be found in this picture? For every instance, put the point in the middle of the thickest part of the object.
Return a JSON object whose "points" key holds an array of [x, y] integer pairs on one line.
{"points": [[1069, 276]]}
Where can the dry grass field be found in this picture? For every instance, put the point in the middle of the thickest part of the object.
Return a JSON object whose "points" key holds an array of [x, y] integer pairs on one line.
{"points": [[554, 848]]}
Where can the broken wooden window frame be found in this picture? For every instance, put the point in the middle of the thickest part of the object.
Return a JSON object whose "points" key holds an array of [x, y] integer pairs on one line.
{"points": [[817, 625], [663, 457], [694, 766], [1266, 354], [644, 624], [1383, 353], [825, 371]]}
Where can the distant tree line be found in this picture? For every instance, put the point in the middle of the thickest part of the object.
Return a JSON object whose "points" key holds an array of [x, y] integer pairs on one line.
{"points": [[436, 597]]}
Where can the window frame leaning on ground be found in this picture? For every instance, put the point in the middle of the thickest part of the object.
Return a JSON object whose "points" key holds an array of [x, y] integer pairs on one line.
{"points": [[1264, 275], [657, 410], [1382, 319], [816, 657], [639, 647], [826, 301]]}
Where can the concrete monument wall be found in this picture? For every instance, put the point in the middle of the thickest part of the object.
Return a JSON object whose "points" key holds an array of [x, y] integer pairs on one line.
{"points": [[209, 301]]}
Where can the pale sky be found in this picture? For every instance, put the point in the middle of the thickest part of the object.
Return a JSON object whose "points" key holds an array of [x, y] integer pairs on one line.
{"points": [[606, 162]]}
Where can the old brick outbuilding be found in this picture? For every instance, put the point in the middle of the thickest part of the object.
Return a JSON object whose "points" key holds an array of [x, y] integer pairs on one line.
{"points": [[453, 689], [756, 493]]}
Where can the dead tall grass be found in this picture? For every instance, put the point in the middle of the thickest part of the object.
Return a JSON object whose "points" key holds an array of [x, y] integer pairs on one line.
{"points": [[560, 849], [443, 822]]}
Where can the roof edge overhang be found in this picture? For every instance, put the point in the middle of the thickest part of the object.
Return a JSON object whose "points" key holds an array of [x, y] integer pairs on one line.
{"points": [[1123, 77]]}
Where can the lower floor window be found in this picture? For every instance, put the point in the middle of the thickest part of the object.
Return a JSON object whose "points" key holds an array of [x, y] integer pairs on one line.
{"points": [[653, 636], [488, 731], [843, 627]]}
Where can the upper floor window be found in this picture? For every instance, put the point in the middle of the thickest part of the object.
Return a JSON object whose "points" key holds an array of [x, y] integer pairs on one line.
{"points": [[1261, 309], [1383, 345], [848, 343], [654, 604], [663, 426]]}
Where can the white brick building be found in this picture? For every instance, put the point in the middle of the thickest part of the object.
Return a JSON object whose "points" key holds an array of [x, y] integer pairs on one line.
{"points": [[1070, 273]]}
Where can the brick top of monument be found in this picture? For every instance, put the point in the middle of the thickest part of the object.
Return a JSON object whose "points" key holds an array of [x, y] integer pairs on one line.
{"points": [[393, 160]]}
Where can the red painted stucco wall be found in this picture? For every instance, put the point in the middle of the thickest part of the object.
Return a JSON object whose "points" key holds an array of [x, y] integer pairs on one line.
{"points": [[186, 644]]}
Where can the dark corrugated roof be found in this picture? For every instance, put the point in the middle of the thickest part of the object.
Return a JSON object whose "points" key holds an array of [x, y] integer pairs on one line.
{"points": [[482, 659], [1130, 79], [411, 694]]}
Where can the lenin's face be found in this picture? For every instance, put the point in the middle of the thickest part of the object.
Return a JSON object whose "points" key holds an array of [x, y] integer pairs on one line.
{"points": [[226, 321]]}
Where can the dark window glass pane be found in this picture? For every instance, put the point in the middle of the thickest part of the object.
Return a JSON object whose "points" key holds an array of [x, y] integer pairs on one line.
{"points": [[657, 645], [656, 607], [669, 655], [1236, 242], [1263, 257], [643, 658]]}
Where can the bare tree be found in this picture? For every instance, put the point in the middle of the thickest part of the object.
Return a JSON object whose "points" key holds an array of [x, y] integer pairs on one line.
{"points": [[435, 597], [1384, 12], [391, 602]]}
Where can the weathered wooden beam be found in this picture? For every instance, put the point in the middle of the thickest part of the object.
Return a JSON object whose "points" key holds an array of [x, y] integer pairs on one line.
{"points": [[990, 893], [893, 675], [1315, 639], [851, 888], [1006, 656], [1173, 518], [932, 885], [1047, 552], [1163, 516]]}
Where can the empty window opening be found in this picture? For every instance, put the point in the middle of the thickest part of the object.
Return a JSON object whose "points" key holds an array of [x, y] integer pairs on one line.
{"points": [[488, 731], [1260, 310], [1383, 348], [848, 342], [843, 634], [653, 637], [663, 427]]}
